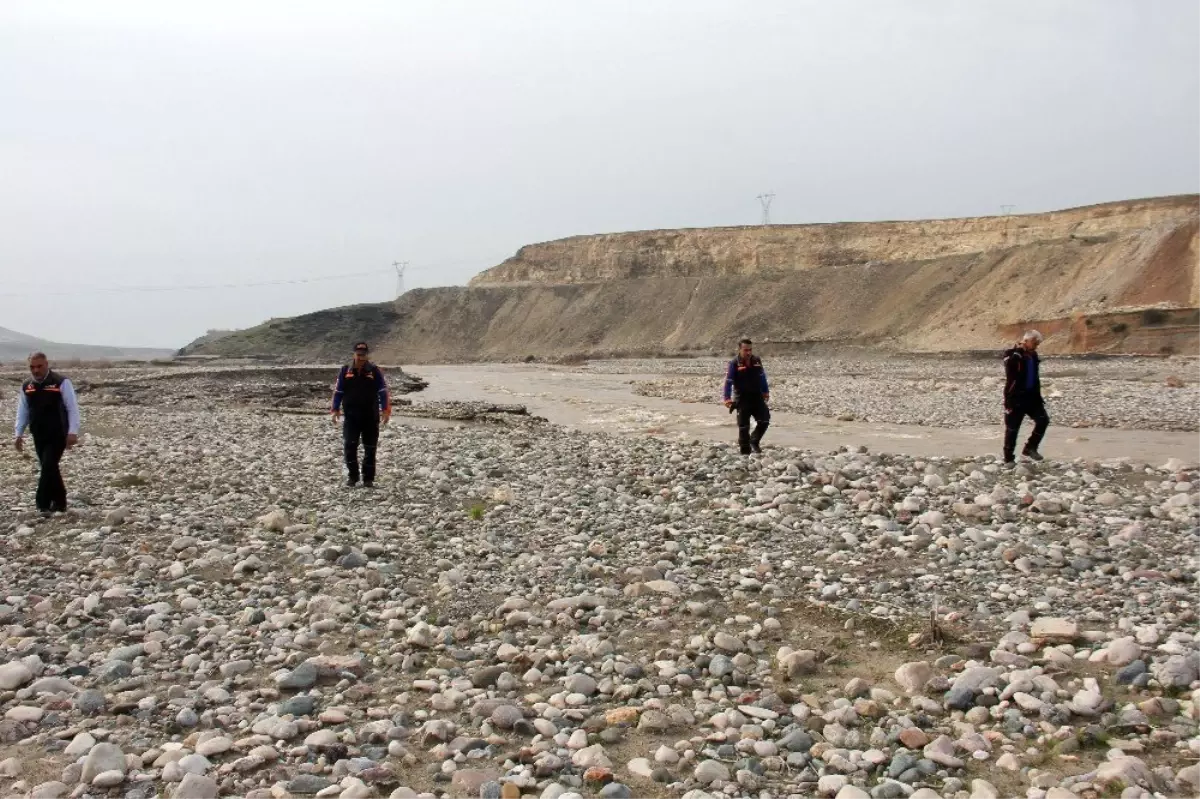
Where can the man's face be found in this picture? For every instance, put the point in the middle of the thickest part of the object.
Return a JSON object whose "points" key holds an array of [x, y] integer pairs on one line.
{"points": [[1030, 344], [360, 355], [745, 350], [39, 367]]}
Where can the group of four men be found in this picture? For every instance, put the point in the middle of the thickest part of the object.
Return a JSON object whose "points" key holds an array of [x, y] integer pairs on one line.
{"points": [[47, 407]]}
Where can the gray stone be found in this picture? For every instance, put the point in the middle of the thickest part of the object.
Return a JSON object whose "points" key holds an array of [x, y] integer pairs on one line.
{"points": [[196, 786], [1178, 671], [307, 784], [89, 702], [54, 685], [302, 677], [103, 757], [580, 684], [616, 790], [49, 790], [709, 771], [109, 779], [1126, 674], [720, 666], [727, 642], [299, 705], [506, 716], [913, 676], [902, 761], [796, 741], [888, 789], [14, 675]]}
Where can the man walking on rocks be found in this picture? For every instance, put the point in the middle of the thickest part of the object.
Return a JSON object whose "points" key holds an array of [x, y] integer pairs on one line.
{"points": [[1023, 397], [48, 408], [746, 389], [361, 393]]}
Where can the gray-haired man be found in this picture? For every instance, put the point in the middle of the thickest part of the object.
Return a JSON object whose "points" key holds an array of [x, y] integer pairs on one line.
{"points": [[48, 408], [1023, 397]]}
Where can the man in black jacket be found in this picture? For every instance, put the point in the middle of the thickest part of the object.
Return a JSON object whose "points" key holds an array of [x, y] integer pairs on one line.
{"points": [[48, 408], [746, 388], [361, 393], [1023, 397]]}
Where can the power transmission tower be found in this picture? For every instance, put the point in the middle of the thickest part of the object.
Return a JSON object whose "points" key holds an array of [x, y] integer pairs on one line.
{"points": [[400, 267], [1007, 211], [765, 201]]}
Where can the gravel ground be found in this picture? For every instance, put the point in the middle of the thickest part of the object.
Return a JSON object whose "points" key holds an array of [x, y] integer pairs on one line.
{"points": [[1129, 393], [524, 610]]}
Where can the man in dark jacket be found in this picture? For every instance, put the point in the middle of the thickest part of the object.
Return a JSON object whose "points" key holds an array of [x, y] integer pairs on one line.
{"points": [[746, 389], [48, 408], [361, 393], [1023, 397]]}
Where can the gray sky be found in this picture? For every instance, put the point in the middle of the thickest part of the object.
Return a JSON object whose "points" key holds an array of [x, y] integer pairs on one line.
{"points": [[159, 144]]}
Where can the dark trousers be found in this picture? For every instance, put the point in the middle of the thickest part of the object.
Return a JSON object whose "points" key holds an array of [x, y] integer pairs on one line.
{"points": [[751, 405], [51, 492], [1014, 413], [366, 427]]}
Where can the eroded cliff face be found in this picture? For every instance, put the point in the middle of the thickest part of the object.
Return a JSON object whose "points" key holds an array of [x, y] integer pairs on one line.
{"points": [[1086, 277], [709, 252]]}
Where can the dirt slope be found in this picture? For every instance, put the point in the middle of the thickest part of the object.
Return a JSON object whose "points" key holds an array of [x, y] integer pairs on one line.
{"points": [[1085, 275]]}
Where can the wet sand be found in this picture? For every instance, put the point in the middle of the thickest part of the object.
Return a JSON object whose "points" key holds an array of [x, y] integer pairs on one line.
{"points": [[608, 403]]}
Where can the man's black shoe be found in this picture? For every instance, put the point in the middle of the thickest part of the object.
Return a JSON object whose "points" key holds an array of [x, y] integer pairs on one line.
{"points": [[368, 483], [351, 482], [756, 447], [1033, 455]]}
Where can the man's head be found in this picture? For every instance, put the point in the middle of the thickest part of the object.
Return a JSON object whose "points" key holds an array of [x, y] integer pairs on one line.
{"points": [[360, 352], [39, 367], [745, 348], [1031, 340]]}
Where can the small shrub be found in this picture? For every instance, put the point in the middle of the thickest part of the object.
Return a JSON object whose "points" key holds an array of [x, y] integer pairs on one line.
{"points": [[476, 511]]}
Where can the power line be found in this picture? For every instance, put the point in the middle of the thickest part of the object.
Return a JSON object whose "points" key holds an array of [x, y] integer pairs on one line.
{"points": [[194, 287]]}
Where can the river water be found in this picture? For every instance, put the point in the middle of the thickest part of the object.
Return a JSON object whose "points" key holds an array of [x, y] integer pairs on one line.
{"points": [[603, 402]]}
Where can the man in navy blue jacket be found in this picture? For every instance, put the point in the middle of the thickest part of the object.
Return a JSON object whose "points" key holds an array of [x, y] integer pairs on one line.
{"points": [[746, 388], [361, 393], [1023, 397]]}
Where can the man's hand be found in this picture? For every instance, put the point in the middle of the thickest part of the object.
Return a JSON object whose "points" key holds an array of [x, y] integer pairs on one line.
{"points": [[386, 417], [19, 443], [766, 397], [728, 403], [335, 417], [72, 440]]}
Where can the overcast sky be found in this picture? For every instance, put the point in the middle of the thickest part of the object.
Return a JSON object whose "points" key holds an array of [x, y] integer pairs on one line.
{"points": [[183, 143]]}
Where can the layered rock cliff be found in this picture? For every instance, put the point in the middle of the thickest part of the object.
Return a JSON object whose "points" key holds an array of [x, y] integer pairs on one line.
{"points": [[1119, 277]]}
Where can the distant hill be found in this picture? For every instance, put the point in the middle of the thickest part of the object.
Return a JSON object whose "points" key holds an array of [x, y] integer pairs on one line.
{"points": [[1119, 277], [16, 346]]}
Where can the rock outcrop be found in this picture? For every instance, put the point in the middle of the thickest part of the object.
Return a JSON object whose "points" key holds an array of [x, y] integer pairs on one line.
{"points": [[1119, 278]]}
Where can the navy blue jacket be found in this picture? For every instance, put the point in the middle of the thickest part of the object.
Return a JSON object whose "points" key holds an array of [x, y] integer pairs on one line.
{"points": [[361, 391], [1021, 375], [746, 378]]}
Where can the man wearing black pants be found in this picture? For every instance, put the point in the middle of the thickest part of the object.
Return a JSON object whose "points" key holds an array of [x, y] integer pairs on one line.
{"points": [[746, 388], [48, 408], [1023, 397], [361, 393]]}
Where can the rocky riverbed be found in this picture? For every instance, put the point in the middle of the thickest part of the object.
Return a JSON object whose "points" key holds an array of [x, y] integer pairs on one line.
{"points": [[526, 610], [1127, 393]]}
